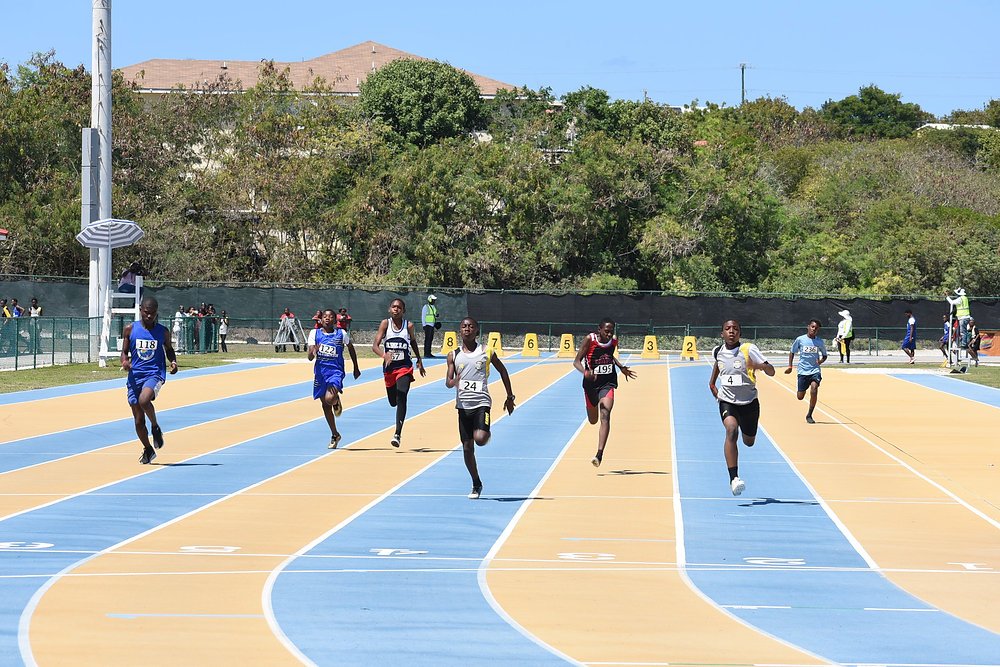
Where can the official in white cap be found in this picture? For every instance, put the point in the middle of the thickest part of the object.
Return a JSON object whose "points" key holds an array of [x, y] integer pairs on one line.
{"points": [[959, 304], [429, 318], [845, 334]]}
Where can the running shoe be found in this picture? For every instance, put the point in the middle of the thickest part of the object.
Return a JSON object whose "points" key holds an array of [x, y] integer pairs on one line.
{"points": [[596, 461], [395, 440], [148, 454], [157, 437], [338, 408], [476, 490], [810, 420], [334, 440], [737, 485]]}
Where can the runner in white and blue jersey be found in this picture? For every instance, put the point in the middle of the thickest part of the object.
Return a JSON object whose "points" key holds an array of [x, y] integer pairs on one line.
{"points": [[812, 354], [146, 348], [326, 345]]}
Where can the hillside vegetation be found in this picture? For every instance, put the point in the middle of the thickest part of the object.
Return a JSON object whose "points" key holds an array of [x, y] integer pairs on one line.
{"points": [[420, 182]]}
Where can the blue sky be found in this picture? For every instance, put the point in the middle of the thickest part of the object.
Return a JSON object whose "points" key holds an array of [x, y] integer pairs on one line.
{"points": [[941, 55]]}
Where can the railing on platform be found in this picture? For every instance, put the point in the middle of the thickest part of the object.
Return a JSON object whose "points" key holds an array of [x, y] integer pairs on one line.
{"points": [[33, 342]]}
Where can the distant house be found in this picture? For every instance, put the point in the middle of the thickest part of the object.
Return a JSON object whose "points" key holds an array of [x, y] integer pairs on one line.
{"points": [[343, 71], [953, 126]]}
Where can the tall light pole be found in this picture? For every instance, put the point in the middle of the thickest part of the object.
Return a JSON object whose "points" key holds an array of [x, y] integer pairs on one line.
{"points": [[96, 176], [743, 83]]}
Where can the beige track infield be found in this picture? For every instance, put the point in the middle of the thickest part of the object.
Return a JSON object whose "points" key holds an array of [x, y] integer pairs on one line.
{"points": [[594, 611], [267, 522], [911, 528], [29, 488], [605, 586]]}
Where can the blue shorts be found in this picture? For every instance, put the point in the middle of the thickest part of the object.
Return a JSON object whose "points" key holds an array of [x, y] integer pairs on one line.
{"points": [[806, 380], [136, 383], [324, 378], [909, 344]]}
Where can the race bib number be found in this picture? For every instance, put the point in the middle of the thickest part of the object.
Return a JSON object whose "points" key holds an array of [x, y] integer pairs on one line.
{"points": [[398, 356], [732, 380], [145, 344], [603, 369], [474, 386], [327, 351]]}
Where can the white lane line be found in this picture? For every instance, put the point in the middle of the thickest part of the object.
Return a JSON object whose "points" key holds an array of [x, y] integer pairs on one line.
{"points": [[166, 411], [486, 564], [940, 487], [552, 566], [682, 564], [272, 620], [24, 622]]}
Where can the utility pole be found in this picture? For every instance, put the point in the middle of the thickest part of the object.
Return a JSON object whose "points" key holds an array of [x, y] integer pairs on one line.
{"points": [[743, 83], [96, 167]]}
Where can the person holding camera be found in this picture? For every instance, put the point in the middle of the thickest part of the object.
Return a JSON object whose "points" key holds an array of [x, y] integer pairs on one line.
{"points": [[429, 318]]}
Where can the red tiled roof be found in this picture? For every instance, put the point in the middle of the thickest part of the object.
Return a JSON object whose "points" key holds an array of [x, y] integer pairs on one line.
{"points": [[343, 70]]}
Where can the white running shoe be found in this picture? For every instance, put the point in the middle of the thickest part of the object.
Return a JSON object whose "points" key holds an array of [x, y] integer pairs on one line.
{"points": [[737, 485]]}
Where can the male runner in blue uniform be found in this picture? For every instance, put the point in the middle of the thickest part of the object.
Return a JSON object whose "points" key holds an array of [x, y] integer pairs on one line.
{"points": [[326, 345], [812, 354], [146, 347]]}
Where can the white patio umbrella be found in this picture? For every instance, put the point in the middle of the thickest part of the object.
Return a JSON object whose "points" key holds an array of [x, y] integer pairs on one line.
{"points": [[110, 233]]}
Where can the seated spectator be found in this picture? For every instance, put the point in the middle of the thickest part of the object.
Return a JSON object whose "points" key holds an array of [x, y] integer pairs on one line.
{"points": [[343, 319], [126, 283]]}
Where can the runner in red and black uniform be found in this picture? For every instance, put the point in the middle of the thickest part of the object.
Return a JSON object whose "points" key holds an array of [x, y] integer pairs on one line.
{"points": [[596, 360], [393, 343]]}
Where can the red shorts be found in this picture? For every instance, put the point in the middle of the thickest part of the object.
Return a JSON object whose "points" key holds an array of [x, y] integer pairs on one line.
{"points": [[395, 374]]}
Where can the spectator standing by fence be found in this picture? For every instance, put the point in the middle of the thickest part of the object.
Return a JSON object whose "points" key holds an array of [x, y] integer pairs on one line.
{"points": [[909, 344], [429, 318], [845, 334], [6, 338], [343, 319], [223, 331], [177, 327], [946, 338], [35, 311]]}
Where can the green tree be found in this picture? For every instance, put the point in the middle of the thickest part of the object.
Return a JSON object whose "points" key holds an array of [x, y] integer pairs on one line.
{"points": [[423, 101], [875, 113]]}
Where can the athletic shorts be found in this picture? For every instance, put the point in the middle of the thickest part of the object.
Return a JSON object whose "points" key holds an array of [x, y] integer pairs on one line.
{"points": [[806, 380], [470, 421], [324, 378], [909, 344], [395, 374], [593, 394], [135, 384], [747, 415]]}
